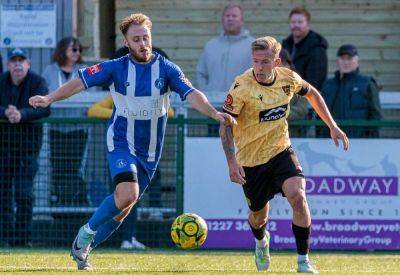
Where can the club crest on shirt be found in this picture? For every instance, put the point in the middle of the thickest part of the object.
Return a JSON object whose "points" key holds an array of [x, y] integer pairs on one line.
{"points": [[94, 69], [121, 163], [159, 83], [286, 89], [228, 103]]}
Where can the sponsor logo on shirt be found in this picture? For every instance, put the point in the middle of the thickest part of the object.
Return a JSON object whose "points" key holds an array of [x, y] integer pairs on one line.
{"points": [[94, 69], [273, 114]]}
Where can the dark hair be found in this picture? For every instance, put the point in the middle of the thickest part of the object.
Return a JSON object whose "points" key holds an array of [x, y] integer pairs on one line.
{"points": [[301, 10], [60, 53], [286, 60]]}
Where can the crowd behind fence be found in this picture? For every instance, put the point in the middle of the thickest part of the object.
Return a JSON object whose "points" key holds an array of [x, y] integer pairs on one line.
{"points": [[55, 171]]}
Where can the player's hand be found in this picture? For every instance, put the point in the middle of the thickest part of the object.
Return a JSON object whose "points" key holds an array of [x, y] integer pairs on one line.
{"points": [[225, 118], [40, 101], [337, 134], [236, 173]]}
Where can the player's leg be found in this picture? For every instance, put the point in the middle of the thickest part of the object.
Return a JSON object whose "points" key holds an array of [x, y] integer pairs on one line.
{"points": [[258, 221], [258, 193], [294, 190], [123, 171], [107, 229]]}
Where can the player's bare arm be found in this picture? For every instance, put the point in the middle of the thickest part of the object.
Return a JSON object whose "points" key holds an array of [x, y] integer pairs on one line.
{"points": [[236, 172], [318, 103], [200, 102], [67, 90]]}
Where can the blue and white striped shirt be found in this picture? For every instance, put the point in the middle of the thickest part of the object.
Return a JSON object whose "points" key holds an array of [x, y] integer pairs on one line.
{"points": [[141, 102]]}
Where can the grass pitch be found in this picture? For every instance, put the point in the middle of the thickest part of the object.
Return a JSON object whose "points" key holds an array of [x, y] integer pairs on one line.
{"points": [[57, 261]]}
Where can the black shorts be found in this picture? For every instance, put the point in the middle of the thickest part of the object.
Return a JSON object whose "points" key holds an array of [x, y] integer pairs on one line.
{"points": [[265, 180]]}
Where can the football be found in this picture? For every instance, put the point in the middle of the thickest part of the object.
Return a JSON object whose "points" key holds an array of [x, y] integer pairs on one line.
{"points": [[189, 231]]}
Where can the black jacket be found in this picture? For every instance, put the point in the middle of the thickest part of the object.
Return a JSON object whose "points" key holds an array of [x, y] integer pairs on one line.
{"points": [[22, 136], [310, 58], [354, 96]]}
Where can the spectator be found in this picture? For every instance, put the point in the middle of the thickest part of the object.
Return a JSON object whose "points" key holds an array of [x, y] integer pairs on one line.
{"points": [[298, 104], [307, 48], [103, 109], [351, 95], [20, 143], [227, 55], [67, 184]]}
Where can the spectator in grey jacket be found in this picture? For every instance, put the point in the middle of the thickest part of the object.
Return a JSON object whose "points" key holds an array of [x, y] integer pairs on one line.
{"points": [[67, 142], [227, 55]]}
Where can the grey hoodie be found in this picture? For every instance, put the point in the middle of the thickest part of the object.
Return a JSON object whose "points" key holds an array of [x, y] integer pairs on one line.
{"points": [[55, 78], [224, 57]]}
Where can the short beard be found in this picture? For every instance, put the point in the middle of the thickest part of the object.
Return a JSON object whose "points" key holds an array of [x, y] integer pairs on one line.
{"points": [[139, 58]]}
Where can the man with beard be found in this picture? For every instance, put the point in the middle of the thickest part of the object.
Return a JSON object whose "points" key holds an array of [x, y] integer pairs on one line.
{"points": [[307, 48], [19, 147], [135, 134]]}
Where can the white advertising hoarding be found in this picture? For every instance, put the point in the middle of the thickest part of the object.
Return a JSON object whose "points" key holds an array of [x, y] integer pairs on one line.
{"points": [[353, 196]]}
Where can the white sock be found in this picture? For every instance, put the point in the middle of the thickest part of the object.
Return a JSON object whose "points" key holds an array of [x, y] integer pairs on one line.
{"points": [[88, 230], [261, 243], [302, 258]]}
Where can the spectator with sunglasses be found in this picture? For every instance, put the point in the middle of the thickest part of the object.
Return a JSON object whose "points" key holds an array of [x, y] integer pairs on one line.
{"points": [[67, 61], [67, 141]]}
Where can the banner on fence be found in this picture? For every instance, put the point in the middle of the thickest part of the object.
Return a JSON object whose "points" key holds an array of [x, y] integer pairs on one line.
{"points": [[353, 196]]}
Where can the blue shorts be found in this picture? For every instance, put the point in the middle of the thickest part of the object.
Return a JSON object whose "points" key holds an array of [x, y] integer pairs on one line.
{"points": [[123, 162]]}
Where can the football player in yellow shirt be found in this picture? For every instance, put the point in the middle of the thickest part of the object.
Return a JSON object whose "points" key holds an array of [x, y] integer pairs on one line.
{"points": [[265, 163]]}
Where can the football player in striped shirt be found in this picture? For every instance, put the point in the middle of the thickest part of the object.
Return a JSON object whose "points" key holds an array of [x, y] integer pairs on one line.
{"points": [[139, 85]]}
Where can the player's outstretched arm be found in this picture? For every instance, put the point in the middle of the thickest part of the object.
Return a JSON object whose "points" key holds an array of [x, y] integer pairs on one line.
{"points": [[236, 172], [318, 103], [68, 89], [200, 102]]}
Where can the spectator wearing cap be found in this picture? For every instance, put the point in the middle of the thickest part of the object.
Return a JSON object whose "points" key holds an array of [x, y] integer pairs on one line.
{"points": [[350, 94], [20, 143], [307, 48]]}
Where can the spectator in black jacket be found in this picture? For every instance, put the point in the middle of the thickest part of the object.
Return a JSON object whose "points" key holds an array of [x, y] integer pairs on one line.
{"points": [[307, 48], [351, 95], [19, 146]]}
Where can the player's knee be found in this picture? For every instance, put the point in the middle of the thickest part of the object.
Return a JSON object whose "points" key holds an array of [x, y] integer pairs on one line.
{"points": [[259, 220], [127, 198], [298, 201]]}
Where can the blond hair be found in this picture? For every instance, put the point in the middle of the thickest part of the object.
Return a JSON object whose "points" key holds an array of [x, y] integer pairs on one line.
{"points": [[266, 43], [135, 19]]}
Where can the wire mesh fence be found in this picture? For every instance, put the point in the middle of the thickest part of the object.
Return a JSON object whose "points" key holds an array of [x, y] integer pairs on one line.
{"points": [[54, 173]]}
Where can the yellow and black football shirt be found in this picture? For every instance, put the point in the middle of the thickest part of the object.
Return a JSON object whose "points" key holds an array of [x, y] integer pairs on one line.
{"points": [[261, 111]]}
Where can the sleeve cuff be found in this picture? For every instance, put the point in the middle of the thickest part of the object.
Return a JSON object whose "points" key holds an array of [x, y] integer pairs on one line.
{"points": [[232, 114], [80, 73], [303, 91], [186, 94]]}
